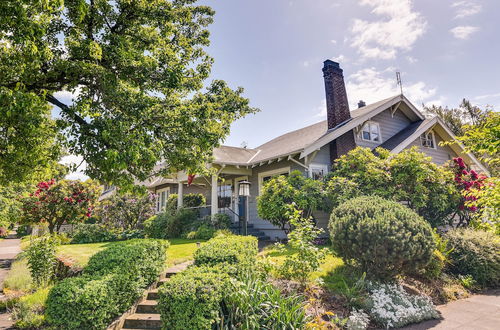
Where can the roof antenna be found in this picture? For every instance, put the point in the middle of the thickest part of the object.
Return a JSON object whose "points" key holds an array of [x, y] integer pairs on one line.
{"points": [[398, 79]]}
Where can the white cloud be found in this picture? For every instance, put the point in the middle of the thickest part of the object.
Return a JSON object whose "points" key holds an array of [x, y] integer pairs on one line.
{"points": [[440, 101], [411, 59], [78, 174], [487, 96], [333, 41], [321, 110], [371, 85], [466, 8], [398, 30], [464, 32], [305, 64], [339, 59]]}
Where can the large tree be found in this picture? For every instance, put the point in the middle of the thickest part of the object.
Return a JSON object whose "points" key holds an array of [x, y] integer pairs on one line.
{"points": [[134, 69]]}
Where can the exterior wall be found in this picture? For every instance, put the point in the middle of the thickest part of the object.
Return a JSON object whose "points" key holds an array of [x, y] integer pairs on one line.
{"points": [[440, 155], [323, 156], [389, 126]]}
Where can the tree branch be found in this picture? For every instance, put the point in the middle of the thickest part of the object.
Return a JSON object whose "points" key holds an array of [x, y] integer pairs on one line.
{"points": [[64, 108]]}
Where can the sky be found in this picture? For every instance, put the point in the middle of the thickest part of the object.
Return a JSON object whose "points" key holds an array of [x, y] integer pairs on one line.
{"points": [[446, 50]]}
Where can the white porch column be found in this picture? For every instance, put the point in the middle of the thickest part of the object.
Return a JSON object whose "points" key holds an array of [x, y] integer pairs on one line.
{"points": [[214, 200], [180, 193]]}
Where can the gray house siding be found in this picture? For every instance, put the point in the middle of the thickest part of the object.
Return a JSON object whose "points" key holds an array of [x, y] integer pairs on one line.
{"points": [[389, 126], [440, 155]]}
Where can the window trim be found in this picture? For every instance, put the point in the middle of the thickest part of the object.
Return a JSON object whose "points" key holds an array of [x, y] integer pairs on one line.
{"points": [[323, 167], [371, 122], [158, 197], [434, 146], [274, 172]]}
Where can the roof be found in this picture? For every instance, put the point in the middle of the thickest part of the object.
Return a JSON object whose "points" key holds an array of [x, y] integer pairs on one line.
{"points": [[397, 139], [233, 155]]}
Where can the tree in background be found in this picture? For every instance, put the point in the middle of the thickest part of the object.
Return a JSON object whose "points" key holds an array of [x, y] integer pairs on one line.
{"points": [[126, 211], [279, 192], [134, 69], [59, 202]]}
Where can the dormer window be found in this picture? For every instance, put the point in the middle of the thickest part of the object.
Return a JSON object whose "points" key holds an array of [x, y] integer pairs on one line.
{"points": [[371, 132], [427, 140]]}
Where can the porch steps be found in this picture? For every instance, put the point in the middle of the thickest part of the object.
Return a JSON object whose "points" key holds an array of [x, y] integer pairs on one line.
{"points": [[146, 314]]}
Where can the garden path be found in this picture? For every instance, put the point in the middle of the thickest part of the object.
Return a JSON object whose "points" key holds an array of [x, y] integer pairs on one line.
{"points": [[479, 312], [9, 249]]}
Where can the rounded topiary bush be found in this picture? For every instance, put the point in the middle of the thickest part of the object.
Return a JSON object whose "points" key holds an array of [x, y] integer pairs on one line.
{"points": [[475, 253], [381, 237]]}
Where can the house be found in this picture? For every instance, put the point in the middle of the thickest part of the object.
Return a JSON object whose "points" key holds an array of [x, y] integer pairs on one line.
{"points": [[393, 123]]}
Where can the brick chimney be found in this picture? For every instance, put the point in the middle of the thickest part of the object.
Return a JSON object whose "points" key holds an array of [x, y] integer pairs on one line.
{"points": [[337, 108]]}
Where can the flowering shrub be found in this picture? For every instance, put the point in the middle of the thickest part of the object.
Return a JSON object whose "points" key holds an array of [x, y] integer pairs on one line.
{"points": [[392, 307], [56, 203], [358, 320], [126, 211]]}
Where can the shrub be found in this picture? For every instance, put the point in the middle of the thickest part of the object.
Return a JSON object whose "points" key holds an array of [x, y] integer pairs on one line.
{"points": [[301, 238], [220, 221], [189, 200], [234, 251], [391, 307], [92, 233], [253, 303], [170, 225], [439, 259], [41, 255], [28, 312], [204, 231], [192, 299], [475, 253], [3, 232], [381, 237], [18, 278], [112, 282]]}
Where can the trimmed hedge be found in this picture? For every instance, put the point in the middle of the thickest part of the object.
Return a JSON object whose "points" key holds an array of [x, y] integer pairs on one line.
{"points": [[170, 225], [383, 238], [92, 233], [233, 250], [475, 253], [112, 282], [192, 299]]}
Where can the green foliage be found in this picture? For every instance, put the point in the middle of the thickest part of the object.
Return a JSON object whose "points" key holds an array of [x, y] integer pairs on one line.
{"points": [[409, 177], [28, 312], [220, 221], [475, 253], [170, 224], [92, 233], [237, 252], [383, 238], [253, 303], [440, 258], [192, 299], [41, 256], [126, 211], [19, 276], [486, 201], [205, 231], [188, 200], [279, 192], [111, 283], [136, 69], [60, 202], [308, 257]]}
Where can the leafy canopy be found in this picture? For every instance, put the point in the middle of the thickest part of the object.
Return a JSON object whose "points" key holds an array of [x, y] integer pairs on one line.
{"points": [[134, 71]]}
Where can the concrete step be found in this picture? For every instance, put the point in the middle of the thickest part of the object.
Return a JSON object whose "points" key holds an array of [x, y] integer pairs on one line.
{"points": [[153, 295], [142, 321], [147, 307], [161, 282]]}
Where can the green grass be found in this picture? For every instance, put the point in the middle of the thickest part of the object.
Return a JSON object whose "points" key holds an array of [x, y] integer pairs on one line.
{"points": [[334, 274], [180, 250], [18, 278]]}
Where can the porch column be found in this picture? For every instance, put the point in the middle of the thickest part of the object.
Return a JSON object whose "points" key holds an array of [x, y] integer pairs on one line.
{"points": [[214, 209], [180, 197], [236, 200]]}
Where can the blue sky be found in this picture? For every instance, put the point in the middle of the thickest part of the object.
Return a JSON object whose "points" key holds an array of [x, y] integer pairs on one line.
{"points": [[446, 50]]}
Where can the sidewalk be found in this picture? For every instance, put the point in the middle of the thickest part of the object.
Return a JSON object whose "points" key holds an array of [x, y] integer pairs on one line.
{"points": [[9, 249], [479, 312]]}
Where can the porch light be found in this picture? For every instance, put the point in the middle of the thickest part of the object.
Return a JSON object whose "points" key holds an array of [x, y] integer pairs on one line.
{"points": [[244, 188]]}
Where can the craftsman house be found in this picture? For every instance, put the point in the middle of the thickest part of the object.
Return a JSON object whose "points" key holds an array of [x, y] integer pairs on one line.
{"points": [[393, 123]]}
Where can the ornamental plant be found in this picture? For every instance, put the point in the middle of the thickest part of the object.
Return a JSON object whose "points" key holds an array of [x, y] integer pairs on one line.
{"points": [[382, 238], [126, 211], [59, 202], [41, 254]]}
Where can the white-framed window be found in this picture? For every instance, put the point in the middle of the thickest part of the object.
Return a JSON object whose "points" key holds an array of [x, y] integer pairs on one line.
{"points": [[161, 199], [268, 175], [371, 132], [428, 140], [318, 171], [224, 194]]}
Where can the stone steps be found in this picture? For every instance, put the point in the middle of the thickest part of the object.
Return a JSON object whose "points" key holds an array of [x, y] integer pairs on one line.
{"points": [[146, 314]]}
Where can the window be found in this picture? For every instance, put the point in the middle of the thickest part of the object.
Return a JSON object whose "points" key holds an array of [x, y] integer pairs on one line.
{"points": [[371, 132], [224, 193], [427, 140], [266, 176], [161, 199], [318, 171]]}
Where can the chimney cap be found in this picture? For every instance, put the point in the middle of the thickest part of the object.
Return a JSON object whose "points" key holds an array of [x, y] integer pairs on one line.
{"points": [[361, 104], [331, 63]]}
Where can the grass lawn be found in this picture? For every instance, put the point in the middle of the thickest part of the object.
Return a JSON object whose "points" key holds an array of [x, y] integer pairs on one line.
{"points": [[180, 250], [333, 272]]}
